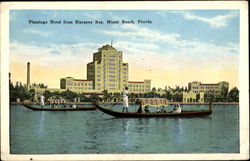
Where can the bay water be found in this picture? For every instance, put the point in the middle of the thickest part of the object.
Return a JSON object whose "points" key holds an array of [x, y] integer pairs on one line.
{"points": [[92, 132]]}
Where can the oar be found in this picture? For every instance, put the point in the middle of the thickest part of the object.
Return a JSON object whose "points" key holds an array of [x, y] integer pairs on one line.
{"points": [[110, 108]]}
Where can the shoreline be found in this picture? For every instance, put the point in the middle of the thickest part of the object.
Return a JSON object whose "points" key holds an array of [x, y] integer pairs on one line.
{"points": [[170, 103]]}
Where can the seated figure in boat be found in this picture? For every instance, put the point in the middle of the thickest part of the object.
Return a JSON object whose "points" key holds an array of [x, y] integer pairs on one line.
{"points": [[163, 110], [140, 110], [146, 109], [74, 105], [177, 109], [158, 110]]}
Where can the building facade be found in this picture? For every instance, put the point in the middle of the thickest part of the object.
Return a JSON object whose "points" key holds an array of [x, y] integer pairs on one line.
{"points": [[76, 85], [197, 87], [106, 72], [139, 87], [190, 96], [197, 90]]}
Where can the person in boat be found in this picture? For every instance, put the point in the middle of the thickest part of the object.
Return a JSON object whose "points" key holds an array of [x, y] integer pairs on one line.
{"points": [[58, 104], [64, 105], [163, 110], [42, 100], [146, 109], [74, 105], [50, 104], [125, 99], [177, 109], [140, 109]]}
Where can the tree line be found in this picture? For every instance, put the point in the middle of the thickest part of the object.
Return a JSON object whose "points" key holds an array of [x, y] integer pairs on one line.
{"points": [[175, 94]]}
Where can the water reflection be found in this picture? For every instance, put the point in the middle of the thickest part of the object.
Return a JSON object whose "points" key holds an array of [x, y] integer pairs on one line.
{"points": [[41, 124], [178, 130], [125, 125]]}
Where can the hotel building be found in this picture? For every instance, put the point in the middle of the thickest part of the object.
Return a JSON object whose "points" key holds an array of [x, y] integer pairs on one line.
{"points": [[106, 72]]}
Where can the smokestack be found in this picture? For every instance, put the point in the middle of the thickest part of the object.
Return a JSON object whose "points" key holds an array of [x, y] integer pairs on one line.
{"points": [[28, 75]]}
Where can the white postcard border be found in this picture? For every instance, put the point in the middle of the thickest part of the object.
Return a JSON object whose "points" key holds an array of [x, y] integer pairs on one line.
{"points": [[243, 79]]}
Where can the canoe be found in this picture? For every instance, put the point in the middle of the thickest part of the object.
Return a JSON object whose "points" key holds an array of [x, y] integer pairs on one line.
{"points": [[60, 109], [154, 114]]}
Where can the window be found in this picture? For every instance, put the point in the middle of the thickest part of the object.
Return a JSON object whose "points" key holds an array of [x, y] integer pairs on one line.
{"points": [[111, 55], [112, 80], [111, 68]]}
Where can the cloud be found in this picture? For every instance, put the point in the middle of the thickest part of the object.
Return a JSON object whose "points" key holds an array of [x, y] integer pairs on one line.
{"points": [[138, 39], [215, 22], [218, 21], [142, 34], [155, 51], [53, 55], [37, 32]]}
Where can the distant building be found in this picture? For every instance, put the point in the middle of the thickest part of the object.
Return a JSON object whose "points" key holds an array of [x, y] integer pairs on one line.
{"points": [[190, 96], [139, 87], [197, 90], [76, 85], [197, 87], [106, 72]]}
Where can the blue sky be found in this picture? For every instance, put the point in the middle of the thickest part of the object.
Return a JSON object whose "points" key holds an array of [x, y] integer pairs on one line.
{"points": [[176, 41]]}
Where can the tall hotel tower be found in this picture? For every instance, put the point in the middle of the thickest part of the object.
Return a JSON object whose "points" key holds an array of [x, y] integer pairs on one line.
{"points": [[107, 71]]}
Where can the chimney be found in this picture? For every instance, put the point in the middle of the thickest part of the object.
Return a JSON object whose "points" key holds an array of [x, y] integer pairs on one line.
{"points": [[28, 75]]}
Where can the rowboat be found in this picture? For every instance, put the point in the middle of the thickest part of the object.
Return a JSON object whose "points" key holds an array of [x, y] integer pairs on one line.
{"points": [[154, 114], [60, 109]]}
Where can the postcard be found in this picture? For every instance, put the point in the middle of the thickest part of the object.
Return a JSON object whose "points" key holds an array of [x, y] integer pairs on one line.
{"points": [[124, 81]]}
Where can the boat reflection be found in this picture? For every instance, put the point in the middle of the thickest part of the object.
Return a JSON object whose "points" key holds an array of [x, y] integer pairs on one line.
{"points": [[41, 124], [125, 125]]}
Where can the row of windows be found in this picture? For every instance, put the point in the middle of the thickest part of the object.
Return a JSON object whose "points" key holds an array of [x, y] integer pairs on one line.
{"points": [[207, 91], [111, 84], [138, 90], [206, 87], [79, 84], [136, 85], [79, 88]]}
